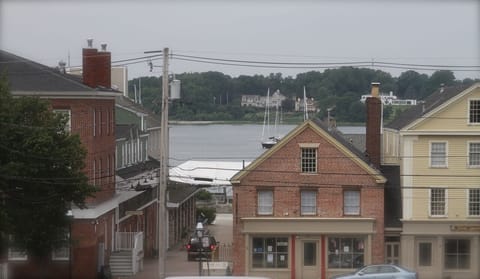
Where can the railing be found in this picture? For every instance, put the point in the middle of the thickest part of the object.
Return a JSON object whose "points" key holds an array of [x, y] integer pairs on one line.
{"points": [[131, 241], [137, 253], [223, 252], [4, 271]]}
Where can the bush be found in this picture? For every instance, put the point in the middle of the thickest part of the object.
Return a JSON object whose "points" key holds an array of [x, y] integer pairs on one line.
{"points": [[204, 195], [206, 213]]}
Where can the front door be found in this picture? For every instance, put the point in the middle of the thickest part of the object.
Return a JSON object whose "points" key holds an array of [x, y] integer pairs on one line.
{"points": [[310, 259], [392, 252]]}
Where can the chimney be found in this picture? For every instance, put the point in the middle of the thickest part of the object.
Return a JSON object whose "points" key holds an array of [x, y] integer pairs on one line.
{"points": [[96, 66], [373, 129]]}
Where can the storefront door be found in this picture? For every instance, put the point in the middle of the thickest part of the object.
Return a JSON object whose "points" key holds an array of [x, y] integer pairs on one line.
{"points": [[310, 259]]}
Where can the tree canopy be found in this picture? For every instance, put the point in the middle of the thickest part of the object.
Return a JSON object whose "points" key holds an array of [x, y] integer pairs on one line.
{"points": [[41, 174], [216, 96]]}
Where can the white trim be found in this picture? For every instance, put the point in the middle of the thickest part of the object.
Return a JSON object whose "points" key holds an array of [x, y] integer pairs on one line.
{"points": [[468, 112], [468, 203], [430, 202], [468, 155], [445, 165]]}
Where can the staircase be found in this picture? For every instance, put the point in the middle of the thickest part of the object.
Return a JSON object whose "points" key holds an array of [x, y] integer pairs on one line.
{"points": [[121, 264]]}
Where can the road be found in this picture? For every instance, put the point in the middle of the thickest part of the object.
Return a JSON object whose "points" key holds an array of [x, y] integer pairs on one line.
{"points": [[176, 260]]}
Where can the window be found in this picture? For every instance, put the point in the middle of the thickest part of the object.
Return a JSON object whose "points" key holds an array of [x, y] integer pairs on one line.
{"points": [[345, 252], [68, 114], [308, 202], [14, 253], [270, 252], [425, 254], [265, 202], [62, 253], [474, 154], [474, 112], [437, 202], [309, 160], [474, 202], [438, 154], [457, 254], [351, 202], [309, 254]]}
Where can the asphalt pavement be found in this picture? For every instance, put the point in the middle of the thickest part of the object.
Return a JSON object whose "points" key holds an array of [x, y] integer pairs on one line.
{"points": [[176, 261]]}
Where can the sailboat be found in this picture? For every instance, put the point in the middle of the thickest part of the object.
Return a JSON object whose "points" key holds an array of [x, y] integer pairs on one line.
{"points": [[271, 140]]}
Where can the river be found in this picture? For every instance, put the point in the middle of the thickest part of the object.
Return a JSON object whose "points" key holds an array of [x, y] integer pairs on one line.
{"points": [[225, 142]]}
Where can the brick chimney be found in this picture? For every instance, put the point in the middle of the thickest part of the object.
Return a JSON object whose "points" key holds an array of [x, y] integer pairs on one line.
{"points": [[96, 66], [374, 125]]}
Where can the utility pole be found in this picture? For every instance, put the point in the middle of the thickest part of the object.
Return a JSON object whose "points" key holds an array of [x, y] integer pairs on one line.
{"points": [[162, 199]]}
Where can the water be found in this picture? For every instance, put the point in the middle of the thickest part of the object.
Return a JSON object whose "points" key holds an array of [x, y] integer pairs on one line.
{"points": [[229, 142]]}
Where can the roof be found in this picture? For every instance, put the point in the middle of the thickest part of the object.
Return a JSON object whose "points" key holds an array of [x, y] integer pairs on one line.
{"points": [[127, 131], [333, 135], [137, 169], [437, 98], [178, 192], [206, 173], [27, 75], [153, 120]]}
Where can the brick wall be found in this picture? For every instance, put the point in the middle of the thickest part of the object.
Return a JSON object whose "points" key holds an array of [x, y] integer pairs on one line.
{"points": [[281, 173], [94, 121]]}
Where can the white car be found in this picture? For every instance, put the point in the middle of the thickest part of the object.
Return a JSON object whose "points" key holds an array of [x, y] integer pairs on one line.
{"points": [[379, 271]]}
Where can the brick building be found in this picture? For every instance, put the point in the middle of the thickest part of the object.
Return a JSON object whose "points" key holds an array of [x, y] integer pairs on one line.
{"points": [[310, 207], [89, 103]]}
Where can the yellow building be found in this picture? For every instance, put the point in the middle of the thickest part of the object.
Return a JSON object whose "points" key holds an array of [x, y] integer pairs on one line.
{"points": [[437, 146]]}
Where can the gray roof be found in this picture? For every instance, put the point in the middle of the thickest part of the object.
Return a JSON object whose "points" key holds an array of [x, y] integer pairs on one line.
{"points": [[430, 103], [127, 131], [153, 120], [26, 75], [341, 138]]}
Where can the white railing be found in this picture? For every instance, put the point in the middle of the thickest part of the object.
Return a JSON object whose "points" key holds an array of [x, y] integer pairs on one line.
{"points": [[131, 241], [137, 253], [4, 271]]}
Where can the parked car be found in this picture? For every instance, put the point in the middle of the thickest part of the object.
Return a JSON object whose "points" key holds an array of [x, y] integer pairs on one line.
{"points": [[379, 271], [201, 248]]}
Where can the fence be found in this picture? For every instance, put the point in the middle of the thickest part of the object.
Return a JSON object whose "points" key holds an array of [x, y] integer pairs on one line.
{"points": [[223, 253]]}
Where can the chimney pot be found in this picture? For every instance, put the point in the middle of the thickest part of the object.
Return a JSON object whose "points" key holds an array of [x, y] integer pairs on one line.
{"points": [[375, 89], [90, 42], [104, 46]]}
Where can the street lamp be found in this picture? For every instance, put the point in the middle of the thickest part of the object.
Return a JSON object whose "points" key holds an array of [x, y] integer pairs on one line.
{"points": [[69, 215]]}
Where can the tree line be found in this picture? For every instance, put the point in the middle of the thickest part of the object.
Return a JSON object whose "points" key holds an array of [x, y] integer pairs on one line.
{"points": [[215, 96]]}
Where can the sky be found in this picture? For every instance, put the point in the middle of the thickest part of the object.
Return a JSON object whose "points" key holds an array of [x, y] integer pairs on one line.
{"points": [[429, 32]]}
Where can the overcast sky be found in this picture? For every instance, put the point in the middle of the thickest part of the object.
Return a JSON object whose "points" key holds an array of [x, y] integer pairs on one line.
{"points": [[434, 32]]}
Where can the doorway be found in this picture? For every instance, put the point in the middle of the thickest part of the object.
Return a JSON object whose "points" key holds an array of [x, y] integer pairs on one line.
{"points": [[310, 259]]}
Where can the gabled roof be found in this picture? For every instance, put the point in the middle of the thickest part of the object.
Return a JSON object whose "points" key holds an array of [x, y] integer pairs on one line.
{"points": [[333, 136], [153, 120], [26, 75], [429, 105]]}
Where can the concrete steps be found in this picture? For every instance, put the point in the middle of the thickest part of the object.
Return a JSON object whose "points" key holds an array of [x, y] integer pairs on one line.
{"points": [[121, 263]]}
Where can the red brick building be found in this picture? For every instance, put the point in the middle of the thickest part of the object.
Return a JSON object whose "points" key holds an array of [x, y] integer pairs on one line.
{"points": [[310, 207], [90, 104]]}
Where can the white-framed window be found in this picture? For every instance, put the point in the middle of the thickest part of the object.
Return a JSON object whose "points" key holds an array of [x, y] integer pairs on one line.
{"points": [[351, 202], [309, 160], [68, 114], [270, 252], [474, 111], [94, 112], [457, 253], [15, 254], [474, 154], [94, 169], [265, 202], [438, 154], [474, 202], [438, 202], [308, 202]]}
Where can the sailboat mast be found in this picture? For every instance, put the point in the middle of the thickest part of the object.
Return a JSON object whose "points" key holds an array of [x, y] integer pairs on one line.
{"points": [[305, 108]]}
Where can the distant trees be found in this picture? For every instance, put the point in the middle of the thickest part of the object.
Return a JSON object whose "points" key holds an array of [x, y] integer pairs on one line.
{"points": [[216, 96]]}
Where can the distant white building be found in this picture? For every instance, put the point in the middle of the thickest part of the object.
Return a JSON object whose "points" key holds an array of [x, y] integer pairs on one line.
{"points": [[392, 100], [311, 105], [260, 101]]}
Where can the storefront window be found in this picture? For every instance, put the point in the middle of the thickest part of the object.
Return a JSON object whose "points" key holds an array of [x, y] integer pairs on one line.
{"points": [[457, 253], [345, 252], [270, 252]]}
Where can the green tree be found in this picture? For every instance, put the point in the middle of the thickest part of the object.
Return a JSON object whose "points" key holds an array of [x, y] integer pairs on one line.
{"points": [[41, 173]]}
